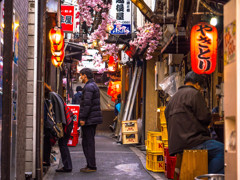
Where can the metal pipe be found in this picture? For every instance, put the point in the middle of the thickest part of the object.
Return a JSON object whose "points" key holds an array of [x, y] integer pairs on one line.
{"points": [[134, 92], [39, 104], [144, 100], [35, 87], [7, 91], [130, 94]]}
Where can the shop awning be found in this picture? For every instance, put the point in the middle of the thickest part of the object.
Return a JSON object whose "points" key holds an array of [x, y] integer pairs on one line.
{"points": [[73, 51]]}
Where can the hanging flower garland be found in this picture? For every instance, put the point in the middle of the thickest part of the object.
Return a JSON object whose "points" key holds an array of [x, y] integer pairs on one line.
{"points": [[148, 37]]}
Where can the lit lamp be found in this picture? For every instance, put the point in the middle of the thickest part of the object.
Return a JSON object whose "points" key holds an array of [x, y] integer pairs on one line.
{"points": [[109, 27], [213, 21], [56, 37], [203, 47]]}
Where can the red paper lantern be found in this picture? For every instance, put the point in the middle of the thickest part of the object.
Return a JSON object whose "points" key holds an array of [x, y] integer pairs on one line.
{"points": [[56, 36], [131, 51], [56, 62], [112, 65], [114, 88], [203, 48]]}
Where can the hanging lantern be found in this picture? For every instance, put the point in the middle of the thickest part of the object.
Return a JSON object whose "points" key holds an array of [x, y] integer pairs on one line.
{"points": [[114, 88], [56, 62], [112, 65], [56, 36], [130, 51], [203, 48], [56, 52]]}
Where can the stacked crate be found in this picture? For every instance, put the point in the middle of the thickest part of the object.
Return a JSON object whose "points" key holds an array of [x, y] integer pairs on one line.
{"points": [[155, 152], [130, 132], [170, 161], [163, 126]]}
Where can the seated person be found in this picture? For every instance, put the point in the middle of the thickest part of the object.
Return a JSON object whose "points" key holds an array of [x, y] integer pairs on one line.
{"points": [[187, 122]]}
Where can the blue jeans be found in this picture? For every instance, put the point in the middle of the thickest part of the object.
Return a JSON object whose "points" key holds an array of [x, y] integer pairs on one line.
{"points": [[215, 156]]}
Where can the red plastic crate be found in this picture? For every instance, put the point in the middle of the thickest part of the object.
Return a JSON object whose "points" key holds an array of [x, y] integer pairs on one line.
{"points": [[171, 163], [73, 140]]}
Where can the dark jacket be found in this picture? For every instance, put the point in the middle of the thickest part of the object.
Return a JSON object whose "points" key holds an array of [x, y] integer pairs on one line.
{"points": [[90, 110], [58, 107], [77, 98], [187, 120]]}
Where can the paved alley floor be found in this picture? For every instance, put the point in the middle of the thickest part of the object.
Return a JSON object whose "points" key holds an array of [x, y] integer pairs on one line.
{"points": [[114, 162]]}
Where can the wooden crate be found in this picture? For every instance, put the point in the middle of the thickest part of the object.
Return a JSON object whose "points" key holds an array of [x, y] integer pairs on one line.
{"points": [[129, 126]]}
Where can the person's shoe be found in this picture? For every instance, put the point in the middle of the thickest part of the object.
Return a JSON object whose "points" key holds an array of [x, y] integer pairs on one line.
{"points": [[87, 170], [63, 170]]}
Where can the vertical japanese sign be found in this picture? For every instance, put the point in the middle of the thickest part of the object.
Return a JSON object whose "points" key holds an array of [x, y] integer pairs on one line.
{"points": [[230, 43], [121, 11], [203, 48], [67, 18]]}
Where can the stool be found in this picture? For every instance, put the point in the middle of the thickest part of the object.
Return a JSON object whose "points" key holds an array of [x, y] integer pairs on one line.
{"points": [[190, 164], [210, 177]]}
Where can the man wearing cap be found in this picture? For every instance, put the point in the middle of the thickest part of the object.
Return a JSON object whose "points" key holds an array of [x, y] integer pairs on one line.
{"points": [[188, 118]]}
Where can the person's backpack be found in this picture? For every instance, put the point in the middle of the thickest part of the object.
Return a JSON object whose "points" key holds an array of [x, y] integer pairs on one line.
{"points": [[56, 129], [69, 120]]}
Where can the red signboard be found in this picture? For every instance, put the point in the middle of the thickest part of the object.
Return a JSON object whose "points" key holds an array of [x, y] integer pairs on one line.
{"points": [[67, 18], [203, 48]]}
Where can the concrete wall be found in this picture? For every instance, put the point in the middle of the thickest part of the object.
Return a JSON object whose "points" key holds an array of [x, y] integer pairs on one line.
{"points": [[30, 75], [151, 98]]}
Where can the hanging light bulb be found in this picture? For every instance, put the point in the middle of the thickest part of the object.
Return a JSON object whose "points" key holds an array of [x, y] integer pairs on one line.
{"points": [[213, 21]]}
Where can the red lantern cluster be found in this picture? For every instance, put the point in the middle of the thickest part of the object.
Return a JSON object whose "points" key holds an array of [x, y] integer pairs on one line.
{"points": [[203, 48], [56, 37], [114, 88]]}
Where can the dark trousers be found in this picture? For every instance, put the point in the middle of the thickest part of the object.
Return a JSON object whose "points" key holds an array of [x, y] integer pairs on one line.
{"points": [[65, 154], [88, 144], [46, 149]]}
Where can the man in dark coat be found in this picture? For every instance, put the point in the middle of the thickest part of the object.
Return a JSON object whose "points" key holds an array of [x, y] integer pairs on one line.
{"points": [[89, 117], [77, 97], [187, 121]]}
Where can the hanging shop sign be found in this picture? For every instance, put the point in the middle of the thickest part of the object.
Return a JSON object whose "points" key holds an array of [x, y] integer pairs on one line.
{"points": [[121, 11], [203, 48], [67, 18], [56, 37]]}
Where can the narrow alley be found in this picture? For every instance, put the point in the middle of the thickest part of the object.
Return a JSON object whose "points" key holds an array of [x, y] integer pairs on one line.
{"points": [[114, 162]]}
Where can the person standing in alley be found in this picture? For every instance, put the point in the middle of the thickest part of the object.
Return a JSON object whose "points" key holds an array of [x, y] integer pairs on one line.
{"points": [[188, 118], [90, 116], [77, 97]]}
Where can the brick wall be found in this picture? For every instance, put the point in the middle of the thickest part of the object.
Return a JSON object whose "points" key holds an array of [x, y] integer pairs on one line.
{"points": [[21, 8]]}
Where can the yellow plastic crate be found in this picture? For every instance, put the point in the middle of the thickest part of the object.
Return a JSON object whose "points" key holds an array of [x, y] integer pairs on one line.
{"points": [[164, 132], [152, 138], [130, 137], [165, 143], [155, 162], [162, 115], [129, 126], [157, 146], [148, 161]]}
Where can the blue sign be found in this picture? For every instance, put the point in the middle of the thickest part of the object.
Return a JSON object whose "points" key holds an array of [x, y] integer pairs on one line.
{"points": [[121, 31]]}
